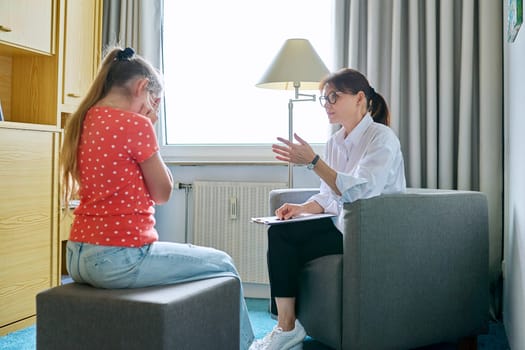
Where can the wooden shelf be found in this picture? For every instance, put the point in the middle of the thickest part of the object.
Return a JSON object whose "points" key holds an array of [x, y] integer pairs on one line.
{"points": [[29, 126]]}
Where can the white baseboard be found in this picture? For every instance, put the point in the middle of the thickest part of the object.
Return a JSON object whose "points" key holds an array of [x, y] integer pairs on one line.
{"points": [[256, 290]]}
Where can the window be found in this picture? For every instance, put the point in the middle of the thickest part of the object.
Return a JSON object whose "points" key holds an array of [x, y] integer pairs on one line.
{"points": [[214, 54]]}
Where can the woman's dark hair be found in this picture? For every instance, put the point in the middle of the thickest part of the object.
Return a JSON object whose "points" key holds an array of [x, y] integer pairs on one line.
{"points": [[351, 81]]}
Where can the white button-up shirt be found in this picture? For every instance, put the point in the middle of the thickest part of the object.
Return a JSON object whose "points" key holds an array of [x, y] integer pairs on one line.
{"points": [[368, 163]]}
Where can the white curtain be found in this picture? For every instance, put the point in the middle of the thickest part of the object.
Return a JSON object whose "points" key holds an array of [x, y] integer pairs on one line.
{"points": [[137, 24], [439, 65]]}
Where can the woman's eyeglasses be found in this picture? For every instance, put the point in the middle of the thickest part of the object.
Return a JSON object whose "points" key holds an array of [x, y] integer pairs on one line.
{"points": [[331, 98]]}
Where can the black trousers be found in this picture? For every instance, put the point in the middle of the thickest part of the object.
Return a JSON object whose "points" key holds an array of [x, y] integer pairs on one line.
{"points": [[291, 246]]}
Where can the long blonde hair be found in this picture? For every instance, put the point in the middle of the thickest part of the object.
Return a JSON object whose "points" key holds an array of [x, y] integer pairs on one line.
{"points": [[118, 67]]}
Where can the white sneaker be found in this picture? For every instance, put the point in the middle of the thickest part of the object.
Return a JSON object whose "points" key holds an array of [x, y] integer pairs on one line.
{"points": [[278, 339]]}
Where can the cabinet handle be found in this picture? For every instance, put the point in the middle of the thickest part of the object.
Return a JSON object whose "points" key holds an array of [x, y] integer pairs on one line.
{"points": [[5, 29], [72, 94]]}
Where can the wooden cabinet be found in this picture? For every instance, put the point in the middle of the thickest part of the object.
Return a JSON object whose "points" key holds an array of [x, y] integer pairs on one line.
{"points": [[55, 84], [35, 80], [28, 24], [29, 78], [28, 219], [81, 50], [33, 90]]}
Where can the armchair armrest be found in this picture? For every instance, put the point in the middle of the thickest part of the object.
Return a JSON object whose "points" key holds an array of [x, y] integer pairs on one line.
{"points": [[289, 195]]}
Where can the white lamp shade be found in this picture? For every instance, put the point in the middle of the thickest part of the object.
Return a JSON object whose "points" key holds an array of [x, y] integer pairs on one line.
{"points": [[296, 62]]}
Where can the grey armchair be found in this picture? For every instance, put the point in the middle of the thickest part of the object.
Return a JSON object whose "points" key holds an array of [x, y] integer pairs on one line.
{"points": [[414, 272]]}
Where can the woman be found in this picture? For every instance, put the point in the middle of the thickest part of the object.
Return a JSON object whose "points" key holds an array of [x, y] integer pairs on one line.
{"points": [[111, 161], [363, 159]]}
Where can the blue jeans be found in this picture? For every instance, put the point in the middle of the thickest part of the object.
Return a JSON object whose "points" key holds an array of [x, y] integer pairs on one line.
{"points": [[155, 264]]}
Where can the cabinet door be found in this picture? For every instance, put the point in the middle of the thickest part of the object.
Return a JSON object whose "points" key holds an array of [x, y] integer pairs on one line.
{"points": [[79, 49], [27, 241], [5, 18], [28, 24]]}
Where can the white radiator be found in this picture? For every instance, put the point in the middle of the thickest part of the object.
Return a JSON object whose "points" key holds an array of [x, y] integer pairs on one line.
{"points": [[222, 215]]}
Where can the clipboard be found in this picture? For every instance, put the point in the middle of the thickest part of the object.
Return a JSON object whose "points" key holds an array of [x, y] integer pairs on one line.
{"points": [[274, 220]]}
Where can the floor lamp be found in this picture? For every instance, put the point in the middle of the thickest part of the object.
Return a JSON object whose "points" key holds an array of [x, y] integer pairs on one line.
{"points": [[297, 65]]}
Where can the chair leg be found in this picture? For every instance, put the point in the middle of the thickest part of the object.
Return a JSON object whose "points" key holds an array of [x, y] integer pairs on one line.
{"points": [[468, 343]]}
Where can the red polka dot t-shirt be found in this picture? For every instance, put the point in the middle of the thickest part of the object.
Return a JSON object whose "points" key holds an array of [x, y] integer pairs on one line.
{"points": [[115, 206]]}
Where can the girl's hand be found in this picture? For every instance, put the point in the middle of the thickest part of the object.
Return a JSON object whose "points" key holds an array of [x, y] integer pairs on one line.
{"points": [[150, 109], [297, 153]]}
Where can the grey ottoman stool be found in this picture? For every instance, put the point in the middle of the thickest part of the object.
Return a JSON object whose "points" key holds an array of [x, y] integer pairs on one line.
{"points": [[195, 315]]}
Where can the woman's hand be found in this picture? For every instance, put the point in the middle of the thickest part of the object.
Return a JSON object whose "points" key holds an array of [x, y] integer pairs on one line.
{"points": [[288, 211], [297, 153], [303, 153]]}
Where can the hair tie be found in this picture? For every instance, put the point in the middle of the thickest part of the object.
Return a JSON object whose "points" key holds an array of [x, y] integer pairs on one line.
{"points": [[126, 54], [371, 92]]}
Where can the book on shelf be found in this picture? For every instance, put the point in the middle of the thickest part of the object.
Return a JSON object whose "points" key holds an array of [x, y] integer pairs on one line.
{"points": [[274, 220]]}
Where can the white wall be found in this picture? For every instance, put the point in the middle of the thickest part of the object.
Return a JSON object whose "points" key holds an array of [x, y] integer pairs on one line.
{"points": [[514, 241]]}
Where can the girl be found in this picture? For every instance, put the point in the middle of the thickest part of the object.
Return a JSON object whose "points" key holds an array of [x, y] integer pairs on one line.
{"points": [[111, 161]]}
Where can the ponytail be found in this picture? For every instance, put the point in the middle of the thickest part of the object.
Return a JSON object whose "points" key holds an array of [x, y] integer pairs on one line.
{"points": [[378, 108]]}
